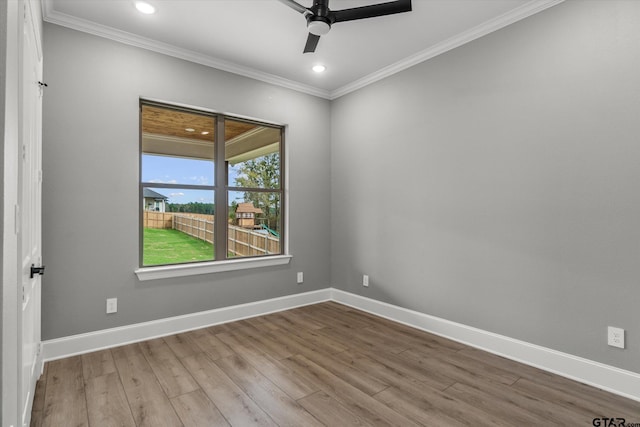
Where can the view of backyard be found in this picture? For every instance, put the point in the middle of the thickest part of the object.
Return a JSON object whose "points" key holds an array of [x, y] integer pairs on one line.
{"points": [[181, 202], [167, 246], [175, 238]]}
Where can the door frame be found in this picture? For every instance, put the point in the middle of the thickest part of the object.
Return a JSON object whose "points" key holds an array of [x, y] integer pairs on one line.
{"points": [[10, 62]]}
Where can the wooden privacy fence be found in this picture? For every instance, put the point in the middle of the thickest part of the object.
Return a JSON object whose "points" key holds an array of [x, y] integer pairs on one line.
{"points": [[200, 228], [246, 242], [240, 241], [153, 219], [157, 219]]}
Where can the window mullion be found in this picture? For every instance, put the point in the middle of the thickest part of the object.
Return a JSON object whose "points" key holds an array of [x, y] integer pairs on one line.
{"points": [[221, 203]]}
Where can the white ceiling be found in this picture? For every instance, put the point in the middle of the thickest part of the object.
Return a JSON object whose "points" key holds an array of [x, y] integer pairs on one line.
{"points": [[264, 39]]}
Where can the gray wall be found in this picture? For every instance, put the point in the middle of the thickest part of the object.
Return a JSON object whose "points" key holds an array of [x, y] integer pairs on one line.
{"points": [[91, 152], [497, 185]]}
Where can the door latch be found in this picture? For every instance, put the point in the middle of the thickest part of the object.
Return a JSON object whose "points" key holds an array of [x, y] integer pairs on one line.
{"points": [[36, 270]]}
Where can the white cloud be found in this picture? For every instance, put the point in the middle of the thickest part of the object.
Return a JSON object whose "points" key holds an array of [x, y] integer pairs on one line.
{"points": [[200, 180], [161, 181], [176, 194]]}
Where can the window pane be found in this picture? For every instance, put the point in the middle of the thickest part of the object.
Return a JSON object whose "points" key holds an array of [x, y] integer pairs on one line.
{"points": [[176, 170], [253, 155], [172, 132], [178, 226], [255, 225]]}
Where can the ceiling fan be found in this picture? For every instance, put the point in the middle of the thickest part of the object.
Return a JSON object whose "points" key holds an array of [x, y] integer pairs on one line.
{"points": [[320, 18]]}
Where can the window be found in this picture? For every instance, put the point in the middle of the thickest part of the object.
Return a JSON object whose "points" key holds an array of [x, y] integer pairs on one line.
{"points": [[210, 187]]}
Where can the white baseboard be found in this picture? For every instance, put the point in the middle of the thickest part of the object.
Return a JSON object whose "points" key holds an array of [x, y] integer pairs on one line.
{"points": [[107, 338], [609, 378]]}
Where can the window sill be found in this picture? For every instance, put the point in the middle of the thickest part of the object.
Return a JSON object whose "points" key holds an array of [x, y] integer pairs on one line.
{"points": [[169, 271]]}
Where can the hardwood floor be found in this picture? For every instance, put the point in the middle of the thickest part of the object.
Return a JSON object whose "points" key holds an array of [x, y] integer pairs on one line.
{"points": [[324, 364]]}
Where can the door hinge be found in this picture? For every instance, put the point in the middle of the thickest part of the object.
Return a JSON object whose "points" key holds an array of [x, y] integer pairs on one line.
{"points": [[23, 294], [40, 175]]}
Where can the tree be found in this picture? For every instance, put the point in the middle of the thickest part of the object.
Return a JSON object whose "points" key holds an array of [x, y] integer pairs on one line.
{"points": [[232, 211], [192, 207], [263, 172]]}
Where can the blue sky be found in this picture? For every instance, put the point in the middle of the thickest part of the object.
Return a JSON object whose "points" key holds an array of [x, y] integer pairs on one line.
{"points": [[175, 170]]}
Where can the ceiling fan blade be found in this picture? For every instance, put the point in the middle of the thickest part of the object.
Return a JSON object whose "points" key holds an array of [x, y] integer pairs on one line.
{"points": [[295, 6], [371, 11], [312, 43]]}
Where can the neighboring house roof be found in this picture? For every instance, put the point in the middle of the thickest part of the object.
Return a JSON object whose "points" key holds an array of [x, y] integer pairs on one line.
{"points": [[150, 194], [247, 207]]}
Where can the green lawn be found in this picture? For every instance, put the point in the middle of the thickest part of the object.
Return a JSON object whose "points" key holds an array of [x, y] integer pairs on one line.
{"points": [[166, 246]]}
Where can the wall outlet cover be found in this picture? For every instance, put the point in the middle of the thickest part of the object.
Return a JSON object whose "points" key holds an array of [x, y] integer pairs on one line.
{"points": [[615, 337], [112, 305]]}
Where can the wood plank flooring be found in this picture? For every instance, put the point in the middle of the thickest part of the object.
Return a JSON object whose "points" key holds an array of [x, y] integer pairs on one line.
{"points": [[324, 364]]}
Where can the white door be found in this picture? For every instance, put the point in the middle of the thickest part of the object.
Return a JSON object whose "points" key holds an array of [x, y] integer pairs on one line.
{"points": [[30, 214]]}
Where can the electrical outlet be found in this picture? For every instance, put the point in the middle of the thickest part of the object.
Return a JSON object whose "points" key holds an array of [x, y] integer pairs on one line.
{"points": [[300, 277], [365, 281], [112, 305], [615, 337]]}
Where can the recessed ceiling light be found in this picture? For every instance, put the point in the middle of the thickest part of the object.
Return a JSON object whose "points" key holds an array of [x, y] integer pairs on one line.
{"points": [[319, 68], [190, 129], [145, 8], [204, 132]]}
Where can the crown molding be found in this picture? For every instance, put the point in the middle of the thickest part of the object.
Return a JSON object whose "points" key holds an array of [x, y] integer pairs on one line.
{"points": [[62, 19], [495, 24], [515, 15]]}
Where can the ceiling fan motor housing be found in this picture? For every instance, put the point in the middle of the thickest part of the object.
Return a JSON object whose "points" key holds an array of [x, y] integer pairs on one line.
{"points": [[319, 20], [318, 25]]}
